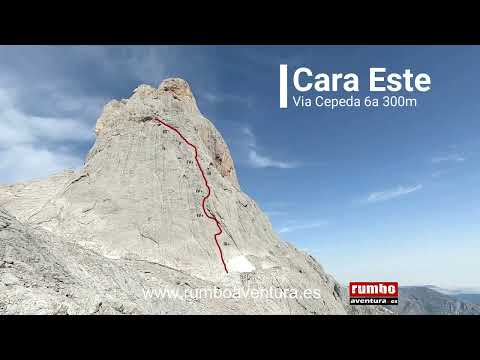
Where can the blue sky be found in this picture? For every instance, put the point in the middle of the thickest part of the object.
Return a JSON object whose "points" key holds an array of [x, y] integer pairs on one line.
{"points": [[386, 194]]}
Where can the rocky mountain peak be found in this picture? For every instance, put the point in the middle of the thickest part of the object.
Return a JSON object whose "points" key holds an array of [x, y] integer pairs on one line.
{"points": [[177, 86], [172, 101], [157, 205]]}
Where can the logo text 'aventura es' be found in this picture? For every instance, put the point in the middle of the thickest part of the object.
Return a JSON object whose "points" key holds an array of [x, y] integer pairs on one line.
{"points": [[368, 293], [304, 80]]}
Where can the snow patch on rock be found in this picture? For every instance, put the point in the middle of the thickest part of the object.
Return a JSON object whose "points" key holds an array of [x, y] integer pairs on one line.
{"points": [[240, 264]]}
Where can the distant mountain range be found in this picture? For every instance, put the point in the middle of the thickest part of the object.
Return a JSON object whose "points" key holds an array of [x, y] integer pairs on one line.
{"points": [[470, 294], [431, 300], [471, 298], [455, 291]]}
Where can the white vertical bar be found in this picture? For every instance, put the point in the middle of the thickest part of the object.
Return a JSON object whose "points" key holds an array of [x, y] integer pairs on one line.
{"points": [[283, 86]]}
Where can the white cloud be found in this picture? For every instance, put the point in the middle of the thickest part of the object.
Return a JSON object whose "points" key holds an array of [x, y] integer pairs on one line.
{"points": [[275, 213], [215, 98], [256, 160], [147, 64], [451, 157], [277, 209], [391, 193], [259, 161], [212, 98], [31, 146], [306, 226], [19, 128], [439, 173], [26, 162]]}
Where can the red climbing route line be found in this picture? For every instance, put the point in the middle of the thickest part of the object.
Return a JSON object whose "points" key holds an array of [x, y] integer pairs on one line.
{"points": [[208, 214]]}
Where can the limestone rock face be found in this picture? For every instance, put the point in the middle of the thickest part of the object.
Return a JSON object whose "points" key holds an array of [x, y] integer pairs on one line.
{"points": [[132, 220]]}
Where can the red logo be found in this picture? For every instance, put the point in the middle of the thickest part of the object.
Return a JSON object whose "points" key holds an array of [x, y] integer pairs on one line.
{"points": [[373, 292]]}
